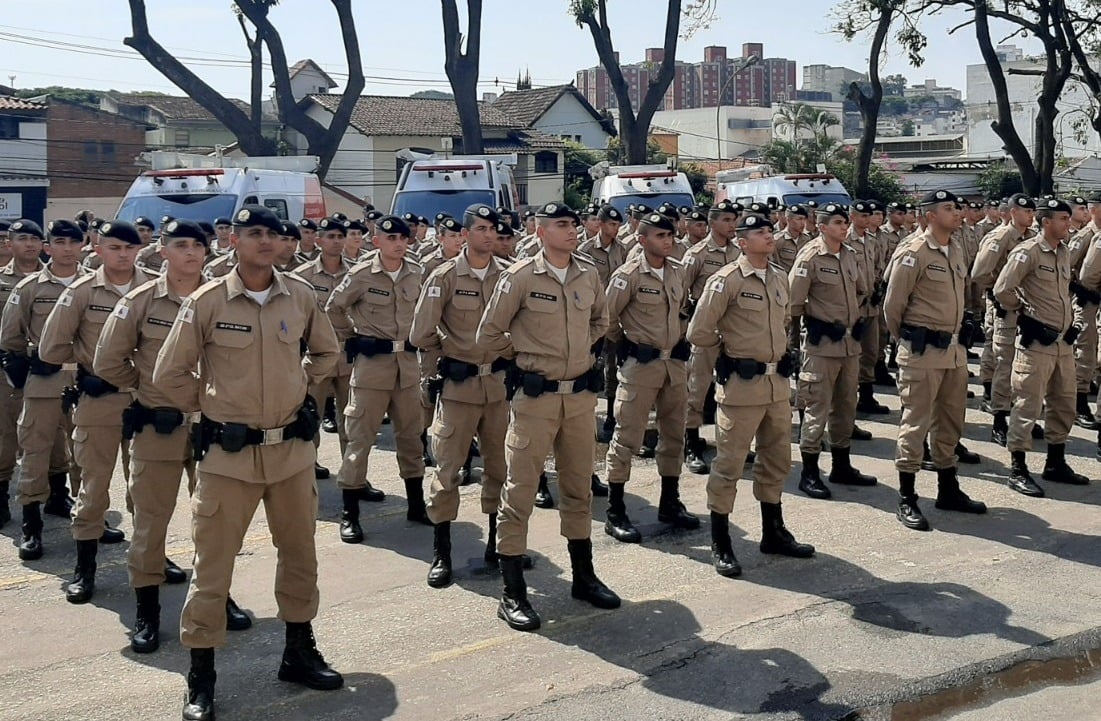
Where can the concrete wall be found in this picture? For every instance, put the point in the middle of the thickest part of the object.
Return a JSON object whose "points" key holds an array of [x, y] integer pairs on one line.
{"points": [[103, 207], [91, 153], [740, 129]]}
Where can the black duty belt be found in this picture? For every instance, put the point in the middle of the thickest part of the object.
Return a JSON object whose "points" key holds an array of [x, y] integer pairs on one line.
{"points": [[1034, 331], [453, 369], [748, 368], [836, 331], [165, 421], [536, 384], [367, 346], [646, 353], [233, 437]]}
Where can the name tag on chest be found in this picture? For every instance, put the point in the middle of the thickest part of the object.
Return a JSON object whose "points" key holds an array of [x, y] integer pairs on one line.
{"points": [[544, 296], [470, 293], [159, 321], [754, 296], [378, 291], [652, 291], [240, 327]]}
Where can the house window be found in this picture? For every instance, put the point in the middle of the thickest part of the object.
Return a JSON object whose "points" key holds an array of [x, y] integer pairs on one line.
{"points": [[183, 138], [91, 149], [107, 151], [546, 162], [522, 193], [9, 127]]}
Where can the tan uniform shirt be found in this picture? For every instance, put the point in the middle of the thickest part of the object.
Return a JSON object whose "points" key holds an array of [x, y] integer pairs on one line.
{"points": [[828, 288], [891, 237], [220, 265], [607, 259], [150, 258], [748, 318], [548, 326], [993, 252], [1089, 274], [369, 303], [1041, 275], [10, 277], [306, 256], [250, 365], [870, 262], [433, 260], [1079, 246], [323, 284], [927, 289], [704, 260], [787, 249], [446, 324]]}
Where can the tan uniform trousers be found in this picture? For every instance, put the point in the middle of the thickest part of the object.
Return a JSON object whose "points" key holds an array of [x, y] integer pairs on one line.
{"points": [[97, 437], [44, 435], [986, 357], [454, 427], [735, 429], [611, 368], [633, 402], [1040, 380], [827, 387], [157, 462], [11, 405], [363, 418], [221, 511], [337, 387], [565, 423], [1001, 381], [701, 373], [1086, 348], [934, 401], [869, 348]]}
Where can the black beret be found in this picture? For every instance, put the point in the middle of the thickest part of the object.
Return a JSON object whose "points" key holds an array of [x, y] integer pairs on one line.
{"points": [[939, 196], [556, 210], [589, 210], [368, 207], [833, 209], [1076, 200], [684, 209], [4, 225], [81, 224], [184, 229], [1055, 205], [992, 203], [451, 224], [372, 215], [609, 212], [252, 215], [390, 224], [752, 221], [410, 218], [56, 229], [639, 209], [974, 206], [164, 219], [359, 224], [94, 223], [660, 221], [874, 206], [1020, 200], [800, 210], [861, 206], [290, 230], [421, 220], [758, 208], [441, 217], [142, 222], [910, 206], [696, 215], [307, 224], [505, 229], [896, 207], [120, 230], [483, 211], [32, 228], [327, 224], [529, 213], [1096, 197], [811, 203], [222, 220], [340, 216], [207, 227], [726, 206], [669, 210]]}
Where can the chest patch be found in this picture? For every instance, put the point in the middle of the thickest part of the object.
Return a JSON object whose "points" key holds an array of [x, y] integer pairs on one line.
{"points": [[544, 296], [159, 321], [651, 291], [239, 327], [832, 271], [754, 296], [939, 268], [713, 262], [471, 293], [321, 288], [378, 291], [102, 308], [1048, 268]]}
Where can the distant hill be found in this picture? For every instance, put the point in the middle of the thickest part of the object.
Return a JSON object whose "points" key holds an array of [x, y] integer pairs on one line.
{"points": [[84, 96], [432, 95]]}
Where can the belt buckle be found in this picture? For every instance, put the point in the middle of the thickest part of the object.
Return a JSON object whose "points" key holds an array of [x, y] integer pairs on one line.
{"points": [[485, 369], [70, 366], [665, 354], [397, 346], [770, 369], [272, 436]]}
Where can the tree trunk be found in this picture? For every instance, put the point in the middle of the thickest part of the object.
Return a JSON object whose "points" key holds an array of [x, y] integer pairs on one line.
{"points": [[869, 106], [256, 61], [462, 69]]}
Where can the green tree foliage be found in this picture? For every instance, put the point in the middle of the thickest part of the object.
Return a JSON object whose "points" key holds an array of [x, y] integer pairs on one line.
{"points": [[894, 86], [82, 96], [1000, 181], [698, 178], [883, 184]]}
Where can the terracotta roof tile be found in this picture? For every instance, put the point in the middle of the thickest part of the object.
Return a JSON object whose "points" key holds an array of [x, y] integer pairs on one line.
{"points": [[390, 115]]}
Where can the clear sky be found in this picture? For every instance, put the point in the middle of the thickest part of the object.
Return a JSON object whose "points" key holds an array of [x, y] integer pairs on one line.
{"points": [[79, 42]]}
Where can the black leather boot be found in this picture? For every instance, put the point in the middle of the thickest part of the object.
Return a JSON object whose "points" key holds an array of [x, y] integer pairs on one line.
{"points": [[670, 508], [859, 434], [199, 702], [83, 585], [607, 428], [810, 478], [722, 550], [236, 619], [776, 538], [370, 494], [30, 547], [951, 498], [350, 530], [1020, 480], [439, 574], [514, 608], [586, 586], [328, 423], [908, 512], [882, 375], [111, 535], [5, 509], [1037, 432], [1056, 468], [618, 525], [146, 637], [999, 431], [303, 663], [598, 487], [965, 455], [59, 503], [320, 472], [173, 574], [867, 403], [414, 493], [1083, 415], [843, 472], [490, 555], [543, 497], [985, 406], [428, 459], [695, 450]]}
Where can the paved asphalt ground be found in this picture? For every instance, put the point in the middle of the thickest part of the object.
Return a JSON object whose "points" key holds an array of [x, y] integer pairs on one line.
{"points": [[884, 623]]}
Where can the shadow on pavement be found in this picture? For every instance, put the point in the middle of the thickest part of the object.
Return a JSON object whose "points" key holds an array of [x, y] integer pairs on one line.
{"points": [[1019, 529]]}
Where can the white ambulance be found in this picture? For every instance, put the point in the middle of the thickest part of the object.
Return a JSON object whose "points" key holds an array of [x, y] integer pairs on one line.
{"points": [[759, 183], [429, 184], [650, 185]]}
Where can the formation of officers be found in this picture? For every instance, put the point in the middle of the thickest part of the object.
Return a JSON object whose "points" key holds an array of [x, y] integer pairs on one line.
{"points": [[218, 352]]}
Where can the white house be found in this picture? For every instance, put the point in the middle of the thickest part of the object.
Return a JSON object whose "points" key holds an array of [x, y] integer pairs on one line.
{"points": [[23, 176], [560, 111]]}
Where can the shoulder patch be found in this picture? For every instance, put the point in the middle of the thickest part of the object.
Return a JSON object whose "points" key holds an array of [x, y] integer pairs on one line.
{"points": [[433, 291], [66, 298], [504, 286], [801, 271], [718, 285], [121, 311], [909, 261], [619, 282], [187, 312], [1021, 257], [13, 299]]}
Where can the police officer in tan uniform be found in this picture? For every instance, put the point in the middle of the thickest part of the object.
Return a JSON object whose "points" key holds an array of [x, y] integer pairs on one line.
{"points": [[69, 336], [863, 239], [42, 480], [1035, 283], [549, 314], [994, 250], [449, 242], [1086, 263], [827, 293], [244, 335], [373, 307], [743, 315], [160, 453], [700, 263], [792, 239], [647, 320], [26, 248], [307, 243], [924, 310], [695, 226], [470, 382]]}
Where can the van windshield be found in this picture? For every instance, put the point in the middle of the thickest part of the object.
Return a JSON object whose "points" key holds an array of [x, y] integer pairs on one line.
{"points": [[651, 199], [791, 199], [429, 202], [185, 206]]}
